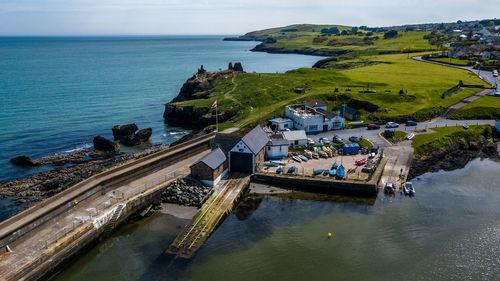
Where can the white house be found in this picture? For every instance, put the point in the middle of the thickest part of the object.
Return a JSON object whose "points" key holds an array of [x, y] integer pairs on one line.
{"points": [[277, 147], [248, 152], [314, 118], [281, 124], [296, 138]]}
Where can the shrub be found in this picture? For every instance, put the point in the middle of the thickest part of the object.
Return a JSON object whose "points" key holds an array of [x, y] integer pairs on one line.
{"points": [[390, 34]]}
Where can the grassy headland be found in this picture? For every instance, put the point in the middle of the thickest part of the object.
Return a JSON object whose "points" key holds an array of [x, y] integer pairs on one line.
{"points": [[426, 144], [258, 96]]}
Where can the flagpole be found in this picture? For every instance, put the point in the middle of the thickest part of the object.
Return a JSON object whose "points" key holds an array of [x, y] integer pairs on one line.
{"points": [[216, 120]]}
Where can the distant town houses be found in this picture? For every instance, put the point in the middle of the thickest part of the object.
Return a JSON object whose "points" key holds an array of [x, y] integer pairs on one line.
{"points": [[313, 117]]}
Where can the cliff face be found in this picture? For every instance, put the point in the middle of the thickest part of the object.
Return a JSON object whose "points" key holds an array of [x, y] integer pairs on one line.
{"points": [[454, 157], [198, 87], [269, 48]]}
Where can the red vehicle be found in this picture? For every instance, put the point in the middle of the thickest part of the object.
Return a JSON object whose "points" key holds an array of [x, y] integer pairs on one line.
{"points": [[373, 126], [361, 161]]}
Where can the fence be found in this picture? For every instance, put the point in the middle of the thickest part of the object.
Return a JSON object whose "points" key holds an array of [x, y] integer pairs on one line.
{"points": [[110, 199]]}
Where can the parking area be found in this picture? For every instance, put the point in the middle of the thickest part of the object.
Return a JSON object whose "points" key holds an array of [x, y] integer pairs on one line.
{"points": [[307, 168]]}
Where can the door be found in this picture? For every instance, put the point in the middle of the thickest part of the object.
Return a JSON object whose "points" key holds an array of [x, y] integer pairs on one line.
{"points": [[325, 128], [241, 162]]}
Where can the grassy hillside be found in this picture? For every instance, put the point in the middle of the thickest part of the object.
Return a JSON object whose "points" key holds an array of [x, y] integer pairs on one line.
{"points": [[425, 144], [259, 96], [483, 108]]}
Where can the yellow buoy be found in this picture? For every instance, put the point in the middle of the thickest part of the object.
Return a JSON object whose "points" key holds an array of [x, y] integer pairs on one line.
{"points": [[76, 202], [329, 235]]}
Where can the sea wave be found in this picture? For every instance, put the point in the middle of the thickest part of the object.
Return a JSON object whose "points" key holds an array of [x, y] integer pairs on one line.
{"points": [[78, 148]]}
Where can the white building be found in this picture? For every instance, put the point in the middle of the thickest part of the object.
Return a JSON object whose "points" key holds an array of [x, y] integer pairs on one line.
{"points": [[281, 124], [277, 147], [296, 138], [313, 117]]}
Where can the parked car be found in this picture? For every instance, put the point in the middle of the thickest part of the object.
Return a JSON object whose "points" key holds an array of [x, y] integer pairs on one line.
{"points": [[324, 141], [411, 123], [391, 125], [495, 73], [497, 93], [310, 142], [354, 139], [373, 126], [337, 139]]}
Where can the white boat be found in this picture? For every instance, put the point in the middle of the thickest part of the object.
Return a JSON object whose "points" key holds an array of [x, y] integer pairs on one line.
{"points": [[296, 159], [409, 136], [303, 158], [409, 189]]}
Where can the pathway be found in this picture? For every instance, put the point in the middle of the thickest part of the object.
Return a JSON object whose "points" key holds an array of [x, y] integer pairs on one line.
{"points": [[449, 111]]}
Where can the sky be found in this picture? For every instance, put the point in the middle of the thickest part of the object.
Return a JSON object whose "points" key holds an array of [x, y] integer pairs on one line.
{"points": [[190, 17]]}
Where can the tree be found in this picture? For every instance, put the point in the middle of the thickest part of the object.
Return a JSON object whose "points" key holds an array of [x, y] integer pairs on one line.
{"points": [[390, 34], [331, 30], [354, 29]]}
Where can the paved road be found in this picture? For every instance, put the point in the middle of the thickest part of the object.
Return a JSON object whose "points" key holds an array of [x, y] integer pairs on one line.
{"points": [[483, 74], [373, 135], [449, 111]]}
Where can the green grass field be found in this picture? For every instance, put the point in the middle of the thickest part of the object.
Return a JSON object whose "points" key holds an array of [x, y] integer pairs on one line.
{"points": [[425, 144], [486, 107], [258, 96], [452, 61]]}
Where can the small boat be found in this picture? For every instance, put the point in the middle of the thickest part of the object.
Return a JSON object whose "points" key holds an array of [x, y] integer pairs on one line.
{"points": [[328, 151], [335, 165], [308, 154], [303, 158], [317, 172], [340, 172], [291, 169], [279, 170], [271, 164], [333, 148], [409, 136], [361, 161], [465, 126], [408, 188], [326, 172], [333, 172], [296, 159], [315, 155], [280, 162], [323, 154]]}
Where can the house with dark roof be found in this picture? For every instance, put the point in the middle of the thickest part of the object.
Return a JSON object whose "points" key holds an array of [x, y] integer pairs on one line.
{"points": [[211, 168], [350, 113], [277, 147], [249, 151]]}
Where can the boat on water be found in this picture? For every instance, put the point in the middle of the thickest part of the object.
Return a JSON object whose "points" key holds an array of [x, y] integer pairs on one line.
{"points": [[335, 165], [333, 172], [389, 188], [340, 172], [291, 169], [409, 189], [319, 171], [326, 172], [279, 170]]}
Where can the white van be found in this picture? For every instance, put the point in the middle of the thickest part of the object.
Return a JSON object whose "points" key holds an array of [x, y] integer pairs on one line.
{"points": [[495, 73]]}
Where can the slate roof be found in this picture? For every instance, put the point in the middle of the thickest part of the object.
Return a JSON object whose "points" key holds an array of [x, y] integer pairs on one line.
{"points": [[256, 139], [277, 140], [295, 135], [226, 142], [213, 159], [327, 114]]}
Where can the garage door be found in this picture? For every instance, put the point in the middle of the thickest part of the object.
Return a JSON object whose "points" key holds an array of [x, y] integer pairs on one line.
{"points": [[241, 162]]}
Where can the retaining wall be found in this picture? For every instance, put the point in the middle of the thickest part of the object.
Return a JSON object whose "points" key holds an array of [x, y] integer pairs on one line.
{"points": [[24, 222], [326, 186]]}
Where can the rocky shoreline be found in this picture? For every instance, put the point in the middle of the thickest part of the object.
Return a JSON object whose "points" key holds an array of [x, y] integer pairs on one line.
{"points": [[453, 157], [187, 192], [263, 47]]}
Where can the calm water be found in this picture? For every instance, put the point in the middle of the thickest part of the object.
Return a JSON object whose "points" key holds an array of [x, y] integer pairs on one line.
{"points": [[449, 231], [58, 93]]}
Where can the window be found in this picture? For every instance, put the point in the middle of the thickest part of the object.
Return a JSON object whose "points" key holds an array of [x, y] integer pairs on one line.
{"points": [[285, 126], [296, 142], [313, 127], [268, 148]]}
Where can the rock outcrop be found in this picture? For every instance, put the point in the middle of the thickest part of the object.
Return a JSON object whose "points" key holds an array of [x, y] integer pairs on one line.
{"points": [[123, 131], [198, 87], [453, 157], [25, 161], [140, 137], [105, 145], [186, 192]]}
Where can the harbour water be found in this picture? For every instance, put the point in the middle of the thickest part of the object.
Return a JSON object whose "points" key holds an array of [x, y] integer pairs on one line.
{"points": [[449, 231], [58, 93]]}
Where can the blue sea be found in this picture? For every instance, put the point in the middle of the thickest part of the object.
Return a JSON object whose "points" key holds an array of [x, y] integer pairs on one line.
{"points": [[58, 93]]}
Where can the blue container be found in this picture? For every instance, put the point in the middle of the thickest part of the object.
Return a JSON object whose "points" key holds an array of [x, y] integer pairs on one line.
{"points": [[350, 148]]}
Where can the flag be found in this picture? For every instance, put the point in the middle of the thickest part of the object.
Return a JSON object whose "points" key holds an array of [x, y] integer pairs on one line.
{"points": [[214, 105]]}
